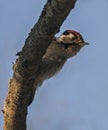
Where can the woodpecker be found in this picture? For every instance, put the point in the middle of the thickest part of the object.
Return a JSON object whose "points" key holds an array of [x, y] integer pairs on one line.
{"points": [[67, 45]]}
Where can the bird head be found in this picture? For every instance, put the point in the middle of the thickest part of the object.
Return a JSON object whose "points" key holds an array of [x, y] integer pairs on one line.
{"points": [[71, 37]]}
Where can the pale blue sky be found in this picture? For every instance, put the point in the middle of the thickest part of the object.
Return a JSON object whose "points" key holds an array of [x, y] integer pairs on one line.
{"points": [[77, 98]]}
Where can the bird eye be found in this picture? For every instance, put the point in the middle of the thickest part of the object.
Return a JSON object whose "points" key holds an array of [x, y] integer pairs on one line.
{"points": [[73, 38]]}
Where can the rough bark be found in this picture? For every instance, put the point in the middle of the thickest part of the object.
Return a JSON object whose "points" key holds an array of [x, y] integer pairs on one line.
{"points": [[24, 75]]}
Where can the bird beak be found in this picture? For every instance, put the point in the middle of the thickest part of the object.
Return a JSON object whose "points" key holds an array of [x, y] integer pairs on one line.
{"points": [[86, 43]]}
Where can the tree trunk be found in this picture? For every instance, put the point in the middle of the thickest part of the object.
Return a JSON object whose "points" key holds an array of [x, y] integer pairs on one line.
{"points": [[24, 75]]}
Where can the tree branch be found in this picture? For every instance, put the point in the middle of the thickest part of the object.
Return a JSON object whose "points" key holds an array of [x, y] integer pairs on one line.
{"points": [[26, 66]]}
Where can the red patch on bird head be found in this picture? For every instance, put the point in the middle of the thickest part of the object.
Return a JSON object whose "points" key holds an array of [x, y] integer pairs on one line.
{"points": [[75, 33]]}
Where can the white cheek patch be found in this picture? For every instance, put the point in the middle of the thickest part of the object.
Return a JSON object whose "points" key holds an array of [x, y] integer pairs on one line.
{"points": [[66, 38], [71, 35]]}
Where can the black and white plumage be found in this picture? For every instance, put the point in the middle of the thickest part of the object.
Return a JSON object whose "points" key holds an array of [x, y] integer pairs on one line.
{"points": [[61, 48]]}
